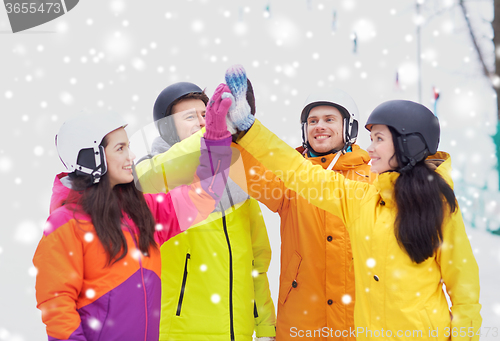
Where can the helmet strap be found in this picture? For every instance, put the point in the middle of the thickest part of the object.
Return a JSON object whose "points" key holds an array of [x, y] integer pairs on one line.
{"points": [[334, 161], [100, 170], [311, 150], [304, 135], [96, 172]]}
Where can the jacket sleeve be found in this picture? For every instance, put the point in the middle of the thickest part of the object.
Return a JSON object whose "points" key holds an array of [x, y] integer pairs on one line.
{"points": [[59, 262], [461, 276], [262, 184], [173, 168], [327, 190], [264, 312], [191, 204]]}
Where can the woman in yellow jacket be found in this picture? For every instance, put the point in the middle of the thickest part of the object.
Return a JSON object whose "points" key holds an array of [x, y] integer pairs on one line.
{"points": [[407, 233]]}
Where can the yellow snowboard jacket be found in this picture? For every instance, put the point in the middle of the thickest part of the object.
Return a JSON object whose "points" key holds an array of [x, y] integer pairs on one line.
{"points": [[396, 299]]}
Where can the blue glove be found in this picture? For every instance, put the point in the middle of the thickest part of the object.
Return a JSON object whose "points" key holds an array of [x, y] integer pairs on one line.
{"points": [[241, 111]]}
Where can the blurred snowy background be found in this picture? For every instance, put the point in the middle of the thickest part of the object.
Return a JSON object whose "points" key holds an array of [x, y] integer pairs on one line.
{"points": [[118, 55]]}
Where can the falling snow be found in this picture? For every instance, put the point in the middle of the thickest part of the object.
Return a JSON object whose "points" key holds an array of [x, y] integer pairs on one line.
{"points": [[89, 236], [90, 293], [346, 299], [27, 232], [94, 323], [215, 298], [108, 56]]}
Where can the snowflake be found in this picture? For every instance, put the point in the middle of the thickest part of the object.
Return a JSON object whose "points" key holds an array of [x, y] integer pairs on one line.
{"points": [[346, 299], [32, 271], [370, 262], [215, 298], [94, 324], [38, 150], [66, 98], [496, 309], [90, 293], [138, 64], [5, 164], [89, 236], [136, 254], [27, 232], [197, 26]]}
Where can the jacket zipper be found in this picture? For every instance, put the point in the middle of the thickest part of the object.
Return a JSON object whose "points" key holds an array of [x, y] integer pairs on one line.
{"points": [[145, 299], [184, 279], [213, 178], [230, 278], [255, 312], [142, 280]]}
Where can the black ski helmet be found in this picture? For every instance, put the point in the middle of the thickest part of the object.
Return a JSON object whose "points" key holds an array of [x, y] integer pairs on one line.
{"points": [[162, 109], [417, 128]]}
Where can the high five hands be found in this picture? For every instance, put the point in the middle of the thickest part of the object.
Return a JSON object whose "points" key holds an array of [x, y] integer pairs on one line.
{"points": [[241, 113]]}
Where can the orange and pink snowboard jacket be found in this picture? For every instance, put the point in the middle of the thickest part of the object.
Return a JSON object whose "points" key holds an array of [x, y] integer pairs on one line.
{"points": [[84, 299]]}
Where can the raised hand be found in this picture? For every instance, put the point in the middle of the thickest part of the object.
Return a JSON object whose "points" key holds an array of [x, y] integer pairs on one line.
{"points": [[217, 109], [243, 108]]}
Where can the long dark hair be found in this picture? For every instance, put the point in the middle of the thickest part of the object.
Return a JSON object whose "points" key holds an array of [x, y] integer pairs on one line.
{"points": [[419, 195], [106, 206]]}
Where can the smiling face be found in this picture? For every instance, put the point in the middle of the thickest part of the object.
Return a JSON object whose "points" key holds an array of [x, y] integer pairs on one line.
{"points": [[381, 150], [324, 128], [189, 116], [119, 158]]}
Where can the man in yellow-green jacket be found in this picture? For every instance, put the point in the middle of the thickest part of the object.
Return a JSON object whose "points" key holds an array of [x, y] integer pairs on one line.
{"points": [[214, 281]]}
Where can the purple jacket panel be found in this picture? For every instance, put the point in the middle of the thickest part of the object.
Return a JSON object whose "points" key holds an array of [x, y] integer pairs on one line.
{"points": [[110, 319]]}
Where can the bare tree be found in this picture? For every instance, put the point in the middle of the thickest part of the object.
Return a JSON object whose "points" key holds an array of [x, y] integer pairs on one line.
{"points": [[492, 75]]}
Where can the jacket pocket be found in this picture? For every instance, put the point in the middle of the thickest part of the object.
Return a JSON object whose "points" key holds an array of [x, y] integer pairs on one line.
{"points": [[289, 280], [183, 287], [428, 326]]}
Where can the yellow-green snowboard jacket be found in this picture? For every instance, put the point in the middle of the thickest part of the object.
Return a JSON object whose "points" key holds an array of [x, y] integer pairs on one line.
{"points": [[214, 277]]}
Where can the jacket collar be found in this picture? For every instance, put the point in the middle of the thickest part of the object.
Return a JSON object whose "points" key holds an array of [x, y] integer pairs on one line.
{"points": [[357, 157], [385, 181], [159, 146], [60, 191]]}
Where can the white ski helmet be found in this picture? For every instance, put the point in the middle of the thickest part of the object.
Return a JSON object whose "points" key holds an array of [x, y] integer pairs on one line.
{"points": [[78, 143], [340, 100]]}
